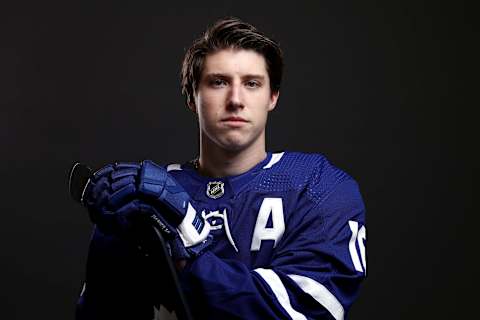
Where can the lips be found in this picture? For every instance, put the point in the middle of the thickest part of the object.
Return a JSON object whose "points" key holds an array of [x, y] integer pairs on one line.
{"points": [[234, 119]]}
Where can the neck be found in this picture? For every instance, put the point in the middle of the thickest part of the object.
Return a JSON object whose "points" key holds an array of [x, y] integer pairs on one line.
{"points": [[217, 162]]}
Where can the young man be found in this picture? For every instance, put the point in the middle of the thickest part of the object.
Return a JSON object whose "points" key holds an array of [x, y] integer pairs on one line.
{"points": [[255, 235]]}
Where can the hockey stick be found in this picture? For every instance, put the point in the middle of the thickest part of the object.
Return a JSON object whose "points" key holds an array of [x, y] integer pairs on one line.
{"points": [[77, 182]]}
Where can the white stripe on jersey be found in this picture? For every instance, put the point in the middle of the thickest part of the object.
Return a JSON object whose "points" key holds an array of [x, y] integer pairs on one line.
{"points": [[321, 294], [174, 166], [280, 292], [275, 158]]}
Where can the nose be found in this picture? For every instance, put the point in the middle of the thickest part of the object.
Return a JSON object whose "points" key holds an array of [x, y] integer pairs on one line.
{"points": [[235, 97]]}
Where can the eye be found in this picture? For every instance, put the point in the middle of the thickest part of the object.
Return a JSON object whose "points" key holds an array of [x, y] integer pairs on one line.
{"points": [[252, 84], [218, 83]]}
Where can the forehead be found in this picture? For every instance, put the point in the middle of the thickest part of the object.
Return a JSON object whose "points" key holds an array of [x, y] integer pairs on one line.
{"points": [[235, 62]]}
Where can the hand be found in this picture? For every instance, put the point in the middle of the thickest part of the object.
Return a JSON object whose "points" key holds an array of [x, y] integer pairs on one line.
{"points": [[118, 194], [109, 195]]}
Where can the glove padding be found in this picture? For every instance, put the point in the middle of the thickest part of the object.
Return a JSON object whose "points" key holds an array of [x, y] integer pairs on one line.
{"points": [[120, 194]]}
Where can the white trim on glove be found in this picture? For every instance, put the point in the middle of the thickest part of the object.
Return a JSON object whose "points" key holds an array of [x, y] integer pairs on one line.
{"points": [[187, 231]]}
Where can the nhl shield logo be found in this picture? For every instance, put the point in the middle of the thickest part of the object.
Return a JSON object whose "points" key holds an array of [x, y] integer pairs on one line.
{"points": [[215, 189]]}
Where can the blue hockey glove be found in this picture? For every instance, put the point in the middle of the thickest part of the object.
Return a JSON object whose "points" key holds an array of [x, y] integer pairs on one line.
{"points": [[119, 194], [103, 201]]}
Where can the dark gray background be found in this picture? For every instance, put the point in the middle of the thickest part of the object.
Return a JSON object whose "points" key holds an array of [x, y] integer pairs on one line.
{"points": [[386, 91]]}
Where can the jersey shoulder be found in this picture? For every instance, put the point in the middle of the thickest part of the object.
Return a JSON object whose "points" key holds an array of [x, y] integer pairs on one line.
{"points": [[311, 173]]}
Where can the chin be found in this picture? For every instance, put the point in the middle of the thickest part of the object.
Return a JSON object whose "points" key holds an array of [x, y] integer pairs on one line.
{"points": [[234, 141], [234, 144]]}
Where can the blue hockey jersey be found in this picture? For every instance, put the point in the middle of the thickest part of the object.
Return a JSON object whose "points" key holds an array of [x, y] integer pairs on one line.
{"points": [[289, 243]]}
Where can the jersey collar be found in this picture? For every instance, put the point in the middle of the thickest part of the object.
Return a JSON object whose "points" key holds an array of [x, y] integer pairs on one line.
{"points": [[232, 184]]}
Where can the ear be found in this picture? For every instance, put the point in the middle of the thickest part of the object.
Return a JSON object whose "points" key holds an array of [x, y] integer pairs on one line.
{"points": [[273, 100]]}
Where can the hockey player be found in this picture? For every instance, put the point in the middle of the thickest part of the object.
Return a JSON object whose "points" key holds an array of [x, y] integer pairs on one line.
{"points": [[255, 234]]}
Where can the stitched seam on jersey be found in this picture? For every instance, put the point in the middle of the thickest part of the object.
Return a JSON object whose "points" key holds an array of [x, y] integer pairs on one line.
{"points": [[291, 183], [332, 190], [320, 203], [316, 175], [261, 175]]}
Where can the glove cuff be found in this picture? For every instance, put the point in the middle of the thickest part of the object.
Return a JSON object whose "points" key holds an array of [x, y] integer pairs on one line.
{"points": [[193, 229], [180, 252]]}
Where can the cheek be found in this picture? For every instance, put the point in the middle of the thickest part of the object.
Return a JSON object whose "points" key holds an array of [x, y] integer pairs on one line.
{"points": [[262, 118], [208, 98], [207, 110], [263, 105]]}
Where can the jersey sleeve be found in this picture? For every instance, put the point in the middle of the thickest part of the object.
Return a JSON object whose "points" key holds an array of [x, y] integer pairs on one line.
{"points": [[315, 272]]}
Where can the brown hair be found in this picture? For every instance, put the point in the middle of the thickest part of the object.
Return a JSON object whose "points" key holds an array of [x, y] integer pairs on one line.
{"points": [[233, 33]]}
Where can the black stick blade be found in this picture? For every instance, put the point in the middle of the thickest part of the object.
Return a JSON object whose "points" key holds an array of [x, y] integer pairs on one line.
{"points": [[77, 180]]}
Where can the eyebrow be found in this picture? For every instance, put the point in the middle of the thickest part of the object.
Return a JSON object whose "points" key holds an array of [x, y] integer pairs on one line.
{"points": [[226, 76]]}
